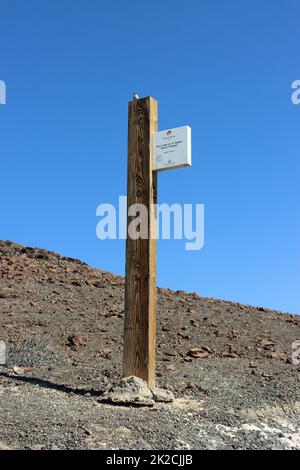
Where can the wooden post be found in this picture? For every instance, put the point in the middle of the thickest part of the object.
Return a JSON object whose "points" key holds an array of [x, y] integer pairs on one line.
{"points": [[140, 288]]}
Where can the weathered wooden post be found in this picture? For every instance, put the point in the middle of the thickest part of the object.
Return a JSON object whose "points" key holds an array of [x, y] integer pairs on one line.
{"points": [[140, 289]]}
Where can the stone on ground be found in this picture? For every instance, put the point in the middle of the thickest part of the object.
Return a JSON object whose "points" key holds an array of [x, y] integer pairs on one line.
{"points": [[162, 395], [135, 391]]}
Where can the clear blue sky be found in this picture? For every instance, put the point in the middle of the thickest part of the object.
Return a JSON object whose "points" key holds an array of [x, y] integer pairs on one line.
{"points": [[223, 67]]}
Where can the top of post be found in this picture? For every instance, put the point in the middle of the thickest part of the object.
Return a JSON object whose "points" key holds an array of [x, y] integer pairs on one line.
{"points": [[144, 98]]}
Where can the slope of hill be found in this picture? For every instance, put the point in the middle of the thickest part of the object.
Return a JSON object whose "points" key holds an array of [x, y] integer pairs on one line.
{"points": [[228, 364]]}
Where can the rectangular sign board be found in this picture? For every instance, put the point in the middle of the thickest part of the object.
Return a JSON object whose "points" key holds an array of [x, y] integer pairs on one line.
{"points": [[171, 148]]}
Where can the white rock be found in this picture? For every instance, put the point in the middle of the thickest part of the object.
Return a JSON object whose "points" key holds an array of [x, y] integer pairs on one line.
{"points": [[162, 395], [2, 353]]}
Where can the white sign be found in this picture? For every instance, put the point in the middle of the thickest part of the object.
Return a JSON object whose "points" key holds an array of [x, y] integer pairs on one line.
{"points": [[172, 148]]}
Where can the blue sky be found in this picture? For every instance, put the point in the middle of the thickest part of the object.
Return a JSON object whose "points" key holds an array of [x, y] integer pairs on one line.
{"points": [[223, 67]]}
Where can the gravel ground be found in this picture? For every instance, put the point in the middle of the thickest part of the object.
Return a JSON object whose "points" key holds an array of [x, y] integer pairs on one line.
{"points": [[229, 365]]}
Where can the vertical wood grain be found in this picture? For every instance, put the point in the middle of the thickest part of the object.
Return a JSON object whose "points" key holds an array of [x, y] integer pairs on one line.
{"points": [[140, 288]]}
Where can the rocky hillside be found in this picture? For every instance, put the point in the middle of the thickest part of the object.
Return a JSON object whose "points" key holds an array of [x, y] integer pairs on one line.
{"points": [[229, 365]]}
